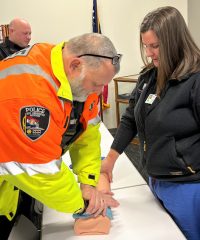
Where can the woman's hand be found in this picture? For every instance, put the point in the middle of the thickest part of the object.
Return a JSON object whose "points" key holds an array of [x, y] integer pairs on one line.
{"points": [[108, 163]]}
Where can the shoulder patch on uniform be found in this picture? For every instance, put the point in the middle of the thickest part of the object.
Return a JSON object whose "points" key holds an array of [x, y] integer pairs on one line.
{"points": [[34, 121]]}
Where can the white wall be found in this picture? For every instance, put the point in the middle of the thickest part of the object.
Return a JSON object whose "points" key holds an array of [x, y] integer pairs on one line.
{"points": [[54, 21], [194, 19]]}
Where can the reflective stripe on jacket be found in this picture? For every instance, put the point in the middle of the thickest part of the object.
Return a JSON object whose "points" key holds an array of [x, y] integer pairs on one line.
{"points": [[35, 92]]}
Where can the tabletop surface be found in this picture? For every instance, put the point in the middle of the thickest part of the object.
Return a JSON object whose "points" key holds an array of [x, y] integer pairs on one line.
{"points": [[139, 216]]}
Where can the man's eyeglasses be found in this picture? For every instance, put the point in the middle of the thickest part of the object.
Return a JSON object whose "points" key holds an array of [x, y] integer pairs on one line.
{"points": [[115, 60]]}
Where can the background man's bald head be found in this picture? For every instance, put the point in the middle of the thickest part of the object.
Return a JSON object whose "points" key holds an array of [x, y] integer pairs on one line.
{"points": [[20, 32]]}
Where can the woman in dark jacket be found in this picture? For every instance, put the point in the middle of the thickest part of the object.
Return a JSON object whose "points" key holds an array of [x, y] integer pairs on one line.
{"points": [[164, 110]]}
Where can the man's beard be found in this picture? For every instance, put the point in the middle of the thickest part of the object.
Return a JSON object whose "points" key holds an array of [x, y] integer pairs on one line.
{"points": [[78, 92]]}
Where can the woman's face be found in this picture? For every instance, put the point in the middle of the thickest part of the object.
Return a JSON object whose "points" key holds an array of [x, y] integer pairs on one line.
{"points": [[151, 45]]}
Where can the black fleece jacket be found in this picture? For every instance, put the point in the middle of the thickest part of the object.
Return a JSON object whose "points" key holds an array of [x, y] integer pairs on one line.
{"points": [[168, 128], [7, 48]]}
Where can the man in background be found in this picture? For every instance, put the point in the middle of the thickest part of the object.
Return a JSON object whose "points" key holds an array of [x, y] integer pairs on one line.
{"points": [[19, 37]]}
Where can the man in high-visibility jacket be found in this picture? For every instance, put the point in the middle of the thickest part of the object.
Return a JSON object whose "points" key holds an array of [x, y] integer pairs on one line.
{"points": [[49, 105]]}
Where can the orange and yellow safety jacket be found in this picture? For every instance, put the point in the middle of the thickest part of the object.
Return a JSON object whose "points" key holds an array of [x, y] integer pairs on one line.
{"points": [[36, 105]]}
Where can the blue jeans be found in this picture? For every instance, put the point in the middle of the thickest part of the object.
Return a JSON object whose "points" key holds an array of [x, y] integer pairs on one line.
{"points": [[182, 201]]}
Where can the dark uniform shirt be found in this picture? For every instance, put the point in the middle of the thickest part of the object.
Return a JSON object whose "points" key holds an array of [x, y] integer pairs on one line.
{"points": [[7, 48]]}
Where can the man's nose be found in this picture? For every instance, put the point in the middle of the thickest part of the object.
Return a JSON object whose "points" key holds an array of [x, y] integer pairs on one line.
{"points": [[29, 36]]}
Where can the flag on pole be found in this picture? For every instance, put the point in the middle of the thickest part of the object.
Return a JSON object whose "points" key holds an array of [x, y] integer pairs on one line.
{"points": [[97, 29], [95, 19]]}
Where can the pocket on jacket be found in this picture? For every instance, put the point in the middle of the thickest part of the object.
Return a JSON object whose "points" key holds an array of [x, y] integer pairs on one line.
{"points": [[189, 150]]}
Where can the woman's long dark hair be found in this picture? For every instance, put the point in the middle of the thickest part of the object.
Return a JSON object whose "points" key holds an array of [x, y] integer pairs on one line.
{"points": [[178, 53]]}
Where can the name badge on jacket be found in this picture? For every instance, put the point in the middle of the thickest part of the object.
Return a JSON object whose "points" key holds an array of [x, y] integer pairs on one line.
{"points": [[150, 99]]}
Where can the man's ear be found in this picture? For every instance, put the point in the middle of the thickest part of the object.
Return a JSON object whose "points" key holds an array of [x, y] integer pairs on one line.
{"points": [[72, 65], [11, 30], [75, 66]]}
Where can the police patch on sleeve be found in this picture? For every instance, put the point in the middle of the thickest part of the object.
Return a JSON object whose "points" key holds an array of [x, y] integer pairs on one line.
{"points": [[34, 121]]}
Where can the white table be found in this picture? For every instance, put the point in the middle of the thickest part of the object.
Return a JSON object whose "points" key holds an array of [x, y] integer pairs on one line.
{"points": [[124, 174], [139, 216]]}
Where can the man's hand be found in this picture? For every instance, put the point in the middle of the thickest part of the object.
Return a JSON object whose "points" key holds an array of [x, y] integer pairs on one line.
{"points": [[98, 201]]}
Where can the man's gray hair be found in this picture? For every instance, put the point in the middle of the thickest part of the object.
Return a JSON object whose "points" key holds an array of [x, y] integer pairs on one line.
{"points": [[93, 43]]}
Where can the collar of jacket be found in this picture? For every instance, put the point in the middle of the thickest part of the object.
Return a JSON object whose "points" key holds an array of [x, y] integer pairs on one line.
{"points": [[13, 46], [64, 90], [148, 71]]}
